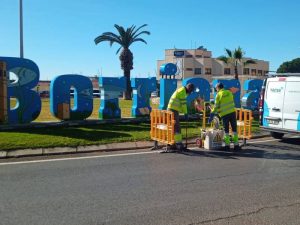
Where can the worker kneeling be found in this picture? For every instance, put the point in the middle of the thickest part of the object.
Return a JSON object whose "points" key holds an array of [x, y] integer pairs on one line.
{"points": [[177, 104], [224, 106]]}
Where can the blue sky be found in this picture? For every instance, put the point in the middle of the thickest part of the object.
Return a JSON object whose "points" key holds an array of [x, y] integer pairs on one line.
{"points": [[59, 34]]}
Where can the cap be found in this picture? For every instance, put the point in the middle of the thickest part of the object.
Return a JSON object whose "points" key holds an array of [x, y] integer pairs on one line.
{"points": [[219, 85]]}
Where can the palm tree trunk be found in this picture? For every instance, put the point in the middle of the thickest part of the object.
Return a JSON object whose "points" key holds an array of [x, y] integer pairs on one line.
{"points": [[236, 73], [127, 93]]}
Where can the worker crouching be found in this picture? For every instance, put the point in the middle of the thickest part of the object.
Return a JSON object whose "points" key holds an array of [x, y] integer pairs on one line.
{"points": [[178, 104]]}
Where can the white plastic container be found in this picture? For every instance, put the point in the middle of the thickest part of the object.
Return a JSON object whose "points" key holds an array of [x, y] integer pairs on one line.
{"points": [[213, 139]]}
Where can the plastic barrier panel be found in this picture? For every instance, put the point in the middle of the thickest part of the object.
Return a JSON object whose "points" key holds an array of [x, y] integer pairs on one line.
{"points": [[244, 120], [162, 126], [244, 123]]}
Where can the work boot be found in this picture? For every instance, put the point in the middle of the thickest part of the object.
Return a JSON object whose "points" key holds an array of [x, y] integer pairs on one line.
{"points": [[236, 148], [172, 147], [226, 148], [180, 147]]}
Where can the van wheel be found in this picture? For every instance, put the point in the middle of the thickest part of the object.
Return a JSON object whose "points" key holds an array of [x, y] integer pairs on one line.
{"points": [[277, 135]]}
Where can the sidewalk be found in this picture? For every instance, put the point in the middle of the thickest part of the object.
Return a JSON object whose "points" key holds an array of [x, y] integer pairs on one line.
{"points": [[94, 148]]}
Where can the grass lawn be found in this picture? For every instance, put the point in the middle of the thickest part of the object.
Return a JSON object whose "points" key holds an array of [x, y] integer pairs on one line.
{"points": [[75, 136], [90, 135], [46, 115]]}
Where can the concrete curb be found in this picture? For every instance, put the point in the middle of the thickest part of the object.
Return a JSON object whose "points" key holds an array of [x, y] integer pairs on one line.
{"points": [[92, 148]]}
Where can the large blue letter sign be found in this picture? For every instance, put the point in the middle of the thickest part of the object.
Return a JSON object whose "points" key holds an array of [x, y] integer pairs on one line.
{"points": [[28, 105], [251, 97], [167, 88], [141, 89], [111, 88], [202, 91], [60, 97], [234, 86]]}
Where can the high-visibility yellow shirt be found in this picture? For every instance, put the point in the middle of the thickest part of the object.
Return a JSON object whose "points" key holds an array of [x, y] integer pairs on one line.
{"points": [[178, 101], [224, 103]]}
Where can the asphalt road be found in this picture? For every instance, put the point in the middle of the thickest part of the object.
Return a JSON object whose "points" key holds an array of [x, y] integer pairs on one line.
{"points": [[260, 185]]}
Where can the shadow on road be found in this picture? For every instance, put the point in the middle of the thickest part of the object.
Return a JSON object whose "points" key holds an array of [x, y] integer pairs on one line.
{"points": [[248, 153], [278, 150]]}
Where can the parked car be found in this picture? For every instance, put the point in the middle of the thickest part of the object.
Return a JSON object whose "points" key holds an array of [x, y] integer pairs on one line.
{"points": [[280, 104]]}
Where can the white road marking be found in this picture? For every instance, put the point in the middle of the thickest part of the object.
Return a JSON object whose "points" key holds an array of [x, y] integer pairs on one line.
{"points": [[77, 158], [107, 156]]}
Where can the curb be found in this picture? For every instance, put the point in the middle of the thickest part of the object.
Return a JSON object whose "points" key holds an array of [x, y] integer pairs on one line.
{"points": [[90, 148]]}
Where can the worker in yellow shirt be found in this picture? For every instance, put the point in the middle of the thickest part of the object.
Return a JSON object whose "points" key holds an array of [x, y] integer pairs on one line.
{"points": [[224, 106], [177, 104]]}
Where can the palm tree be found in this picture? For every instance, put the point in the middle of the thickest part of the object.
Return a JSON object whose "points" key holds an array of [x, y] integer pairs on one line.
{"points": [[235, 57], [124, 38]]}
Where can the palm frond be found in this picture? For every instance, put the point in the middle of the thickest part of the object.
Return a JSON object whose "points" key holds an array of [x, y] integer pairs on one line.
{"points": [[102, 38], [124, 37], [223, 58], [229, 53], [109, 38], [121, 31], [238, 53], [142, 32], [132, 28], [249, 61], [138, 39], [119, 50], [134, 33]]}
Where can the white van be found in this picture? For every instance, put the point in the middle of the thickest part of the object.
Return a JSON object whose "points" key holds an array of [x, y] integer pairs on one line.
{"points": [[280, 104]]}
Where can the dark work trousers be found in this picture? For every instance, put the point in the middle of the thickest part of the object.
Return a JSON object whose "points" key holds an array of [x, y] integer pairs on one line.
{"points": [[229, 118], [177, 129]]}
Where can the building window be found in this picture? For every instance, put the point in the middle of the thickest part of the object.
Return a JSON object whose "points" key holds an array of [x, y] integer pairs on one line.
{"points": [[246, 71], [188, 56], [198, 56], [253, 72], [227, 71], [259, 72], [197, 71], [207, 71], [189, 69]]}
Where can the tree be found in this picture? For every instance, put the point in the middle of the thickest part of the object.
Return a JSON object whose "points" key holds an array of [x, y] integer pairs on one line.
{"points": [[235, 57], [124, 38], [290, 66]]}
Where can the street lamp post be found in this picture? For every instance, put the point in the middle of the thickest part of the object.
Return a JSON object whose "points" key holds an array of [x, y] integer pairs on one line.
{"points": [[21, 29]]}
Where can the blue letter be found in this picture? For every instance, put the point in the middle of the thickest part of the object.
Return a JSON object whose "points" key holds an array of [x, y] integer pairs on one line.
{"points": [[111, 88], [60, 95], [28, 105], [251, 97], [202, 90], [141, 89], [167, 88]]}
